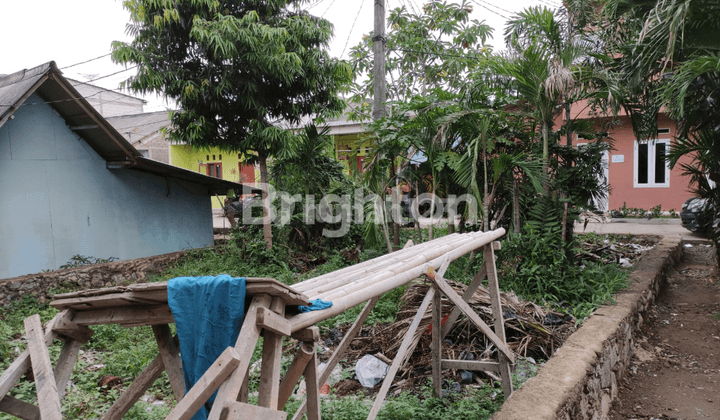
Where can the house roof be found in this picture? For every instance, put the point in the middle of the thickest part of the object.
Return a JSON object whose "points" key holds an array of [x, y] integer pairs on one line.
{"points": [[138, 127], [47, 82]]}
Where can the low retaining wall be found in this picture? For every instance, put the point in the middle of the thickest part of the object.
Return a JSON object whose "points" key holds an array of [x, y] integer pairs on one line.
{"points": [[581, 380], [88, 277]]}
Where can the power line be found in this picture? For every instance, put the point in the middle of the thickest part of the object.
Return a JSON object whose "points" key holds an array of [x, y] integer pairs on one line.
{"points": [[490, 10], [352, 27], [111, 74], [86, 61], [497, 7], [328, 8]]}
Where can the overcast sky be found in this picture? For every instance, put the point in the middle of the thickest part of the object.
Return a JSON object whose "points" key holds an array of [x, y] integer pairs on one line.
{"points": [[73, 31]]}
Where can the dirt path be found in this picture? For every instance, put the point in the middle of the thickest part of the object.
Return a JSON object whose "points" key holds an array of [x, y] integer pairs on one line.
{"points": [[675, 371]]}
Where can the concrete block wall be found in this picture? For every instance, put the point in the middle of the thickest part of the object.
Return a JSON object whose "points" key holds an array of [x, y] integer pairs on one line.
{"points": [[581, 380], [116, 273]]}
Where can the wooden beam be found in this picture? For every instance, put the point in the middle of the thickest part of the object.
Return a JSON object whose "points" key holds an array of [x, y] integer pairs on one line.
{"points": [[19, 408], [436, 343], [472, 316], [312, 387], [205, 386], [152, 315], [271, 321], [494, 291], [136, 390], [269, 388], [309, 334], [302, 357], [340, 350], [47, 391], [170, 355], [471, 365], [467, 295], [65, 364], [245, 345], [18, 368], [243, 411], [407, 346]]}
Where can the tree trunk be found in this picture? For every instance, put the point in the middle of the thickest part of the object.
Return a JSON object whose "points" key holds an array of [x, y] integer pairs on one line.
{"points": [[396, 211], [431, 235], [546, 156], [516, 205], [267, 228], [418, 231]]}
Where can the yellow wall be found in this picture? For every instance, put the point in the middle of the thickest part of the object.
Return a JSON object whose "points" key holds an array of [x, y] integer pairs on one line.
{"points": [[184, 156]]}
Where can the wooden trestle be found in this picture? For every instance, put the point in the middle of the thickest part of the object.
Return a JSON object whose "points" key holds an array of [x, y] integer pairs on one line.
{"points": [[146, 304]]}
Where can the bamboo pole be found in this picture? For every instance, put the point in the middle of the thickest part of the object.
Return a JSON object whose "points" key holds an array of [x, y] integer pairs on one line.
{"points": [[342, 304], [384, 273], [368, 266]]}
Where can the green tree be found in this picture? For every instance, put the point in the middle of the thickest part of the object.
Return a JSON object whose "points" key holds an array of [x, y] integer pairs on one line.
{"points": [[236, 68]]}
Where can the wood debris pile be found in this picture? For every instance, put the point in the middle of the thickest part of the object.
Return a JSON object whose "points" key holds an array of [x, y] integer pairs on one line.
{"points": [[532, 331]]}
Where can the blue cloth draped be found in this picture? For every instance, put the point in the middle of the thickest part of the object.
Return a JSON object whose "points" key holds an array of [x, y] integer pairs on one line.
{"points": [[208, 314]]}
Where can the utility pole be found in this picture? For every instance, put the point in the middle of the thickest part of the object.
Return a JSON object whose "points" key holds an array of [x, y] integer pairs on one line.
{"points": [[379, 61], [379, 88]]}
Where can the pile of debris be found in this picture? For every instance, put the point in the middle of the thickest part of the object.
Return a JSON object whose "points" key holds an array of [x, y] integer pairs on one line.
{"points": [[532, 331]]}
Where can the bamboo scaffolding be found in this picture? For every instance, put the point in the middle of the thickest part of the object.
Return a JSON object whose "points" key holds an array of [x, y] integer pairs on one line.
{"points": [[342, 304], [147, 305]]}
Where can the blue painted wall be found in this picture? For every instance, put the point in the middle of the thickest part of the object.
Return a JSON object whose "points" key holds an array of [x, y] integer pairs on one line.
{"points": [[58, 199]]}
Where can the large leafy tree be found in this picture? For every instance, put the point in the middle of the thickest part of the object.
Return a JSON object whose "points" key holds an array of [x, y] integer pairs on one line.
{"points": [[237, 68]]}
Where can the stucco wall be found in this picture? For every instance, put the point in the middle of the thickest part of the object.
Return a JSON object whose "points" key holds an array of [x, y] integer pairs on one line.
{"points": [[621, 171], [58, 199]]}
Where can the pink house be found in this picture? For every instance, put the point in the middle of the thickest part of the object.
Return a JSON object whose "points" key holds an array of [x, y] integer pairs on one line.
{"points": [[637, 171]]}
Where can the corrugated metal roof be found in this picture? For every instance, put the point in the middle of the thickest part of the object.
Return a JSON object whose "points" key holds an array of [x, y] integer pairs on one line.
{"points": [[135, 128], [47, 82]]}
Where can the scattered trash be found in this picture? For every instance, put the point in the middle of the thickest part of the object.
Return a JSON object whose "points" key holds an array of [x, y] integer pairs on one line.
{"points": [[370, 370], [624, 263], [688, 245], [466, 377], [334, 337]]}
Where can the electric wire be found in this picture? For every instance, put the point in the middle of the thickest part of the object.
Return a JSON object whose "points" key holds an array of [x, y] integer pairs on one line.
{"points": [[111, 74], [490, 10], [347, 41], [86, 61], [328, 8], [497, 7]]}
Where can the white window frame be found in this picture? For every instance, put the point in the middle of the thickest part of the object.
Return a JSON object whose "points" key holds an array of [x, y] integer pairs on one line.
{"points": [[651, 164]]}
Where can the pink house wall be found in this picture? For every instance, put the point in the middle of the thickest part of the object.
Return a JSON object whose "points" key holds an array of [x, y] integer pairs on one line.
{"points": [[621, 172]]}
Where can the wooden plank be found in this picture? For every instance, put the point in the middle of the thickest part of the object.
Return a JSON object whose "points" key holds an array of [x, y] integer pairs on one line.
{"points": [[269, 388], [406, 347], [152, 315], [242, 411], [205, 386], [309, 334], [469, 292], [312, 387], [106, 301], [19, 408], [170, 355], [73, 330], [494, 289], [472, 316], [245, 345], [65, 364], [136, 390], [18, 367], [435, 345], [471, 365], [340, 350], [271, 321], [47, 391], [294, 371]]}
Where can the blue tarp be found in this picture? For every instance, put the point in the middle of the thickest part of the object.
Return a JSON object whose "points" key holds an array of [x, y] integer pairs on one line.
{"points": [[315, 305], [208, 314]]}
